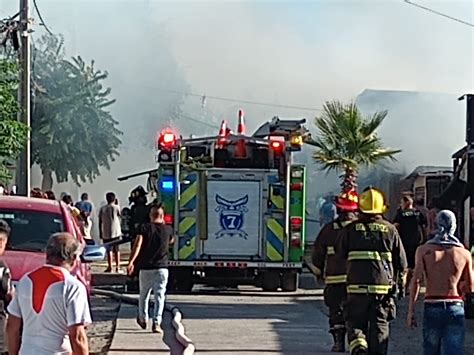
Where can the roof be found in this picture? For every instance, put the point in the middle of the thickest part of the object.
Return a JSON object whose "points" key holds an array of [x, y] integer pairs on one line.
{"points": [[426, 169], [30, 203], [460, 153]]}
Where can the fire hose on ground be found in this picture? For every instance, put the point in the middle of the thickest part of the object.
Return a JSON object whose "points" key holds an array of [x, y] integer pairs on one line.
{"points": [[180, 334]]}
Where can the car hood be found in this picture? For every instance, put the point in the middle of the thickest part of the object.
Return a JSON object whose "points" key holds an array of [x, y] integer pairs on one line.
{"points": [[22, 262]]}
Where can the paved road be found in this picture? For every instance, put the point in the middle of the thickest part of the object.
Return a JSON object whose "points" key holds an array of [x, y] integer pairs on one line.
{"points": [[252, 322]]}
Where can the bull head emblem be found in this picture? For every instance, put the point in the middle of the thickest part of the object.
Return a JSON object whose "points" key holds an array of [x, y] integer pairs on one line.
{"points": [[231, 216]]}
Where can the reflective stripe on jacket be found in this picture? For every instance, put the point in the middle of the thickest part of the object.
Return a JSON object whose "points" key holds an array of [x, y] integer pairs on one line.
{"points": [[324, 255], [374, 255]]}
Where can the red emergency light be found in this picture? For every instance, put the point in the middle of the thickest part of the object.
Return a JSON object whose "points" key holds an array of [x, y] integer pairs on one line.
{"points": [[277, 147], [167, 140]]}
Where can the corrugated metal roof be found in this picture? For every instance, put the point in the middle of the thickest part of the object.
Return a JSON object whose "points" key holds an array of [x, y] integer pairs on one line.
{"points": [[425, 169]]}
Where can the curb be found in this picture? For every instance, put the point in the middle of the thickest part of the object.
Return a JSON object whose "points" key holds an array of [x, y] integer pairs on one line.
{"points": [[180, 333]]}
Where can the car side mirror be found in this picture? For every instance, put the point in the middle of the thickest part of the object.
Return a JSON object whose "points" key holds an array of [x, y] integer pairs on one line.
{"points": [[92, 253]]}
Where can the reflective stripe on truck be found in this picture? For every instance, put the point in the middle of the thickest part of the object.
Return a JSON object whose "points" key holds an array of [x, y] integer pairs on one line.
{"points": [[235, 264]]}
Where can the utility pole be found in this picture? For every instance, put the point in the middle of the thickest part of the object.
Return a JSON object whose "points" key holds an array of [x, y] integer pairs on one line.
{"points": [[23, 175]]}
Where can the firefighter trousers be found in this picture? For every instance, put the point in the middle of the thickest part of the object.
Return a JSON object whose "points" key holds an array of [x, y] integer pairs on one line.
{"points": [[367, 320], [334, 298]]}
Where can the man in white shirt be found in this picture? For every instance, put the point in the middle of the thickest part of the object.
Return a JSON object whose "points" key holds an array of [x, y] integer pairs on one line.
{"points": [[110, 229], [50, 305]]}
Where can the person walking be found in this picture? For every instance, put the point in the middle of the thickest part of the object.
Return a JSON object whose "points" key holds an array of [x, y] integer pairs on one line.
{"points": [[412, 226], [150, 257], [110, 230], [85, 207], [50, 308], [328, 211], [6, 288], [139, 212], [334, 268], [446, 265], [374, 254]]}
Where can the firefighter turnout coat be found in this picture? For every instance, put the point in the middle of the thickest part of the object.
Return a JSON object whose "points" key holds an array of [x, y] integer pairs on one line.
{"points": [[374, 254], [332, 266]]}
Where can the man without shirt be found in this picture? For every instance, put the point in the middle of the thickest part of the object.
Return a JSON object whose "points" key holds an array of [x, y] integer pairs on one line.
{"points": [[447, 267]]}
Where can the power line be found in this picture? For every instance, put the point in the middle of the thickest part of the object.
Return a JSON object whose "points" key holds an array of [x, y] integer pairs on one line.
{"points": [[439, 13], [219, 98], [41, 18], [199, 121]]}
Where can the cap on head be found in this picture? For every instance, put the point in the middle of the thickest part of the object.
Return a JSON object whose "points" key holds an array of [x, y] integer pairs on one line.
{"points": [[372, 201], [348, 201]]}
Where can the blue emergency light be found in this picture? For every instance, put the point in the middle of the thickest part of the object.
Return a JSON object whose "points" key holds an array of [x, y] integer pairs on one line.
{"points": [[167, 185]]}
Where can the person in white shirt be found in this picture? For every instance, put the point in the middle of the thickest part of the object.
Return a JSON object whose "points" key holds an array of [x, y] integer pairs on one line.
{"points": [[110, 229], [50, 305]]}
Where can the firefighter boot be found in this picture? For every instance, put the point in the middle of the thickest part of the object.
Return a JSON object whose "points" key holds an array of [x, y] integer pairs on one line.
{"points": [[339, 335]]}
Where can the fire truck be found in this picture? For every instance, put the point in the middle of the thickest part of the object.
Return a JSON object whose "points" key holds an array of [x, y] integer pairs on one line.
{"points": [[237, 205]]}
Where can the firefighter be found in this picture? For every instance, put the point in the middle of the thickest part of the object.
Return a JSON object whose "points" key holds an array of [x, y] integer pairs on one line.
{"points": [[139, 212], [334, 268], [374, 254]]}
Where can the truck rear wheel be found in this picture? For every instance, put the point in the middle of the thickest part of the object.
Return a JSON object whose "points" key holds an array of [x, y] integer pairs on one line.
{"points": [[183, 280], [289, 281], [271, 281]]}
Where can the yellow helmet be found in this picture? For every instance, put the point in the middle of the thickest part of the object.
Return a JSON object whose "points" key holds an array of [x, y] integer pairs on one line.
{"points": [[372, 201]]}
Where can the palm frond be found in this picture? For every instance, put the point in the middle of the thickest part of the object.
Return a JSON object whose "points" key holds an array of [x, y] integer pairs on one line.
{"points": [[348, 140]]}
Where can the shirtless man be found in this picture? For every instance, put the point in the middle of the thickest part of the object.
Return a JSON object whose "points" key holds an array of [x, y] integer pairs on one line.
{"points": [[447, 267]]}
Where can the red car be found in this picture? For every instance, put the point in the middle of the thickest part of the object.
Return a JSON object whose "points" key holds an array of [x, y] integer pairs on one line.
{"points": [[32, 221]]}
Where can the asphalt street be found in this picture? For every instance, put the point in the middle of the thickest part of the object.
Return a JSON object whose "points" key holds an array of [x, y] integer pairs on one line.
{"points": [[249, 321]]}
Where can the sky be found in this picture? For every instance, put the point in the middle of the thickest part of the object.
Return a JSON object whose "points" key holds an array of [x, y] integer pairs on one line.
{"points": [[299, 53]]}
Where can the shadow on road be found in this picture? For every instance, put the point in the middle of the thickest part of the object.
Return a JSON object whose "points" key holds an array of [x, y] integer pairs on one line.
{"points": [[252, 322]]}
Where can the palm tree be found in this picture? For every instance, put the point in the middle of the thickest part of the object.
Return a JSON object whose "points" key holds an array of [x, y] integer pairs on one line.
{"points": [[348, 141]]}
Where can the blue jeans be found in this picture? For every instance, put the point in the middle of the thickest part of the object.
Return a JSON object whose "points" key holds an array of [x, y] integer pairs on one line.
{"points": [[155, 280], [443, 328]]}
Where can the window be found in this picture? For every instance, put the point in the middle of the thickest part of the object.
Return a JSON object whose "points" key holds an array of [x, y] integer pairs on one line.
{"points": [[31, 229]]}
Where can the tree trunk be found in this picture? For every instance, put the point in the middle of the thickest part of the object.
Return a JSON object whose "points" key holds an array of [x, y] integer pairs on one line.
{"points": [[47, 182], [350, 180]]}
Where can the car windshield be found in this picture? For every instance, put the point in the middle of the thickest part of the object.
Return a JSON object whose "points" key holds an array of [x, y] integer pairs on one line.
{"points": [[30, 230]]}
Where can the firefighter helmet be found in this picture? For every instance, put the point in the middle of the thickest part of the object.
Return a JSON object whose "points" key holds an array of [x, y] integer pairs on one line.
{"points": [[347, 201], [372, 201]]}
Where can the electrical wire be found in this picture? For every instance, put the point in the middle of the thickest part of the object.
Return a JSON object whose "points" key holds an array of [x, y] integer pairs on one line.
{"points": [[199, 121], [439, 13], [219, 98], [41, 18]]}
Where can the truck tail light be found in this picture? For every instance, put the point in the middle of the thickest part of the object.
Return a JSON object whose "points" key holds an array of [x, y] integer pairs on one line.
{"points": [[298, 186], [296, 223], [169, 219], [295, 241], [277, 147]]}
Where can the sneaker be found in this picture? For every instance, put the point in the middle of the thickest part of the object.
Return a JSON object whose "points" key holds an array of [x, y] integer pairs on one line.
{"points": [[141, 323], [156, 329]]}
